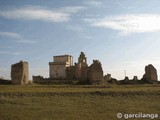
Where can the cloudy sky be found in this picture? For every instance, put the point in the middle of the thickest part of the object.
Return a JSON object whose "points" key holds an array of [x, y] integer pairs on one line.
{"points": [[122, 34]]}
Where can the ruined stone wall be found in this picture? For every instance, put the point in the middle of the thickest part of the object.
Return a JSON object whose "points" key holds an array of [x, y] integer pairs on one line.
{"points": [[77, 71], [82, 72], [81, 68], [135, 78], [20, 73], [150, 75], [95, 73], [57, 70], [107, 77], [70, 73], [37, 78]]}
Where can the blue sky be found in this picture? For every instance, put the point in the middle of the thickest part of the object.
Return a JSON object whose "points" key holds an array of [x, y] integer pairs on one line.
{"points": [[122, 34]]}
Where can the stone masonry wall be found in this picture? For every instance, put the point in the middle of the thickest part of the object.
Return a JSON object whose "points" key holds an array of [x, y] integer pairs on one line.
{"points": [[20, 73], [95, 72]]}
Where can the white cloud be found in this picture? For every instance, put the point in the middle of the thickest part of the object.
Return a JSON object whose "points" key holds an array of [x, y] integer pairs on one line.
{"points": [[94, 3], [9, 53], [127, 24], [37, 13], [10, 35], [72, 9], [26, 41], [31, 13], [75, 28], [16, 37]]}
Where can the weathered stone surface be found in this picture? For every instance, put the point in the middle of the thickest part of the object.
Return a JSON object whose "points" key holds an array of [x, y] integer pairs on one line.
{"points": [[150, 75], [126, 79], [95, 72], [135, 78], [107, 77], [81, 67], [70, 73], [57, 68], [86, 74], [20, 73], [37, 78], [79, 70]]}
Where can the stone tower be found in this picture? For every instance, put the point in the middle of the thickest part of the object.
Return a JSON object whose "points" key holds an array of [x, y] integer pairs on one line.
{"points": [[19, 73], [150, 75], [95, 73], [81, 67], [57, 68]]}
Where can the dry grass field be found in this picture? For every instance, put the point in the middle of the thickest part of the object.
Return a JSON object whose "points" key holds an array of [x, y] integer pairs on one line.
{"points": [[86, 102]]}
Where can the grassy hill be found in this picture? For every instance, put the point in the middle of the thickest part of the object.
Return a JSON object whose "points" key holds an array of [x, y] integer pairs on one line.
{"points": [[66, 102]]}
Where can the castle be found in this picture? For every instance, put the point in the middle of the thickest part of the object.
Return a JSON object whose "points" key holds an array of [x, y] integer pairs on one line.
{"points": [[57, 69], [63, 68], [62, 71]]}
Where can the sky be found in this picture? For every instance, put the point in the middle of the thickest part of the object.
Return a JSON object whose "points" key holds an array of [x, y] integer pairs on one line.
{"points": [[124, 35]]}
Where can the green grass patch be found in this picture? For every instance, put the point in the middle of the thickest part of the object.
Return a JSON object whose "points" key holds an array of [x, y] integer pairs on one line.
{"points": [[65, 102]]}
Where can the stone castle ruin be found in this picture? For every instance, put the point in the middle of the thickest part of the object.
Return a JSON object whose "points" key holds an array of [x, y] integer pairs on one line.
{"points": [[37, 78], [81, 71], [81, 67], [63, 68], [62, 71], [57, 69], [20, 73], [150, 75], [95, 72]]}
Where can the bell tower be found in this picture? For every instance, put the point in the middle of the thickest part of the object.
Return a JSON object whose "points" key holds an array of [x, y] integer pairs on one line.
{"points": [[82, 59]]}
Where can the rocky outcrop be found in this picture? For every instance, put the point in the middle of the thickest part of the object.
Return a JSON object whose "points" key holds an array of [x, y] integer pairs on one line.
{"points": [[19, 73], [150, 75]]}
